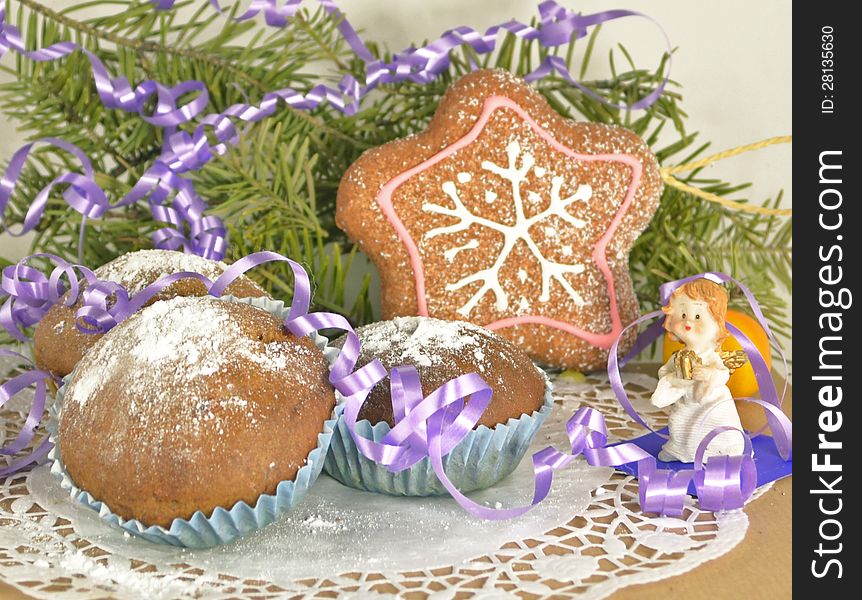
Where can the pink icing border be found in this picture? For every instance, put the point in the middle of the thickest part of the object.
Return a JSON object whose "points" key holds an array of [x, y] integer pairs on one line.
{"points": [[384, 200]]}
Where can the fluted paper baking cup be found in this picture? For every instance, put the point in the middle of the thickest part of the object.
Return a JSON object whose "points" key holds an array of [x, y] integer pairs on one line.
{"points": [[224, 525], [483, 458]]}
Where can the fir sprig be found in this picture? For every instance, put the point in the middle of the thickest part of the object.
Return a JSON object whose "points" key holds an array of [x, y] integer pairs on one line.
{"points": [[276, 189]]}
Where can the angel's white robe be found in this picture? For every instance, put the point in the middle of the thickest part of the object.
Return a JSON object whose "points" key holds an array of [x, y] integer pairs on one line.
{"points": [[697, 408]]}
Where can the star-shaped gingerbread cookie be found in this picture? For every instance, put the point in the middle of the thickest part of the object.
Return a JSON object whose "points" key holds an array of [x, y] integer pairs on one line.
{"points": [[507, 215]]}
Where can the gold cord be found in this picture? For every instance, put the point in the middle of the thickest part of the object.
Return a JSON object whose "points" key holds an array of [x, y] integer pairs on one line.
{"points": [[669, 179]]}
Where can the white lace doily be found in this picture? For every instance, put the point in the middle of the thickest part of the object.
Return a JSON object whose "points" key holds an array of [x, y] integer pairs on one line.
{"points": [[588, 538]]}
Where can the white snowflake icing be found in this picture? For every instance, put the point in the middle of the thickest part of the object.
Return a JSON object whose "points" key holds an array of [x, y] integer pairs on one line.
{"points": [[450, 254], [520, 230]]}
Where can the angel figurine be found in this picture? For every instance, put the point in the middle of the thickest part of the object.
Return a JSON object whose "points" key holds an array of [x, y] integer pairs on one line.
{"points": [[694, 381]]}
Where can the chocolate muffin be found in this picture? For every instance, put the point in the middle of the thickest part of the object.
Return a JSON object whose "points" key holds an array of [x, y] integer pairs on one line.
{"points": [[190, 404], [442, 350], [57, 343]]}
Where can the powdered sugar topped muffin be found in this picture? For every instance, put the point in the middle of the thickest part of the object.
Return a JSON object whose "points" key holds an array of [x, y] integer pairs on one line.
{"points": [[190, 404], [442, 350], [57, 343]]}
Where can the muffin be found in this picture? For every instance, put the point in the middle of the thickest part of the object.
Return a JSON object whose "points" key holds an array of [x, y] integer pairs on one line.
{"points": [[57, 343], [440, 351], [190, 404]]}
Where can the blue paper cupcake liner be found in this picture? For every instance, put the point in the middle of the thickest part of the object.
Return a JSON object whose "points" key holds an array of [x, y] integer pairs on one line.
{"points": [[224, 525], [483, 458]]}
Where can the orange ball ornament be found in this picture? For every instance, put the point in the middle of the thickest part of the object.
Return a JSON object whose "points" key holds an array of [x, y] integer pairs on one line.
{"points": [[742, 383]]}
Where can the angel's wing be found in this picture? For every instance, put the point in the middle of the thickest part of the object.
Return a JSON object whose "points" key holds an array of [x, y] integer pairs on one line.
{"points": [[734, 359]]}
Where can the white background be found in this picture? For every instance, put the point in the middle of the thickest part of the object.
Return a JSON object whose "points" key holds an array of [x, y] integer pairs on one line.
{"points": [[733, 60]]}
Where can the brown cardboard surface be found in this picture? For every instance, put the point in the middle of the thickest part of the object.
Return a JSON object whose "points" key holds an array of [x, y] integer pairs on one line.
{"points": [[758, 568]]}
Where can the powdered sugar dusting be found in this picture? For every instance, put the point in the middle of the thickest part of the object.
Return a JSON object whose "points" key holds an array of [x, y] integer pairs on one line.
{"points": [[109, 572], [136, 270], [425, 342], [174, 341]]}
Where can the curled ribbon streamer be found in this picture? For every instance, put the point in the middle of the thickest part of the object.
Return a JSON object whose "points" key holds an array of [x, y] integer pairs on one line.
{"points": [[425, 427], [30, 293], [32, 377], [433, 425], [82, 193], [117, 92], [183, 151], [723, 483], [107, 303], [207, 234], [727, 481], [557, 26]]}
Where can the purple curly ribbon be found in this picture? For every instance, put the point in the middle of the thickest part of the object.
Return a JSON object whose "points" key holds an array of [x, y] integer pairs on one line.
{"points": [[30, 293], [117, 92], [206, 235], [106, 303], [431, 426], [557, 26], [184, 151], [425, 426], [723, 483], [428, 426], [33, 377]]}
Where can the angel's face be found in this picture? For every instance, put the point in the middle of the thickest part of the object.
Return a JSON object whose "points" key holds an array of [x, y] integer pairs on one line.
{"points": [[691, 322]]}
